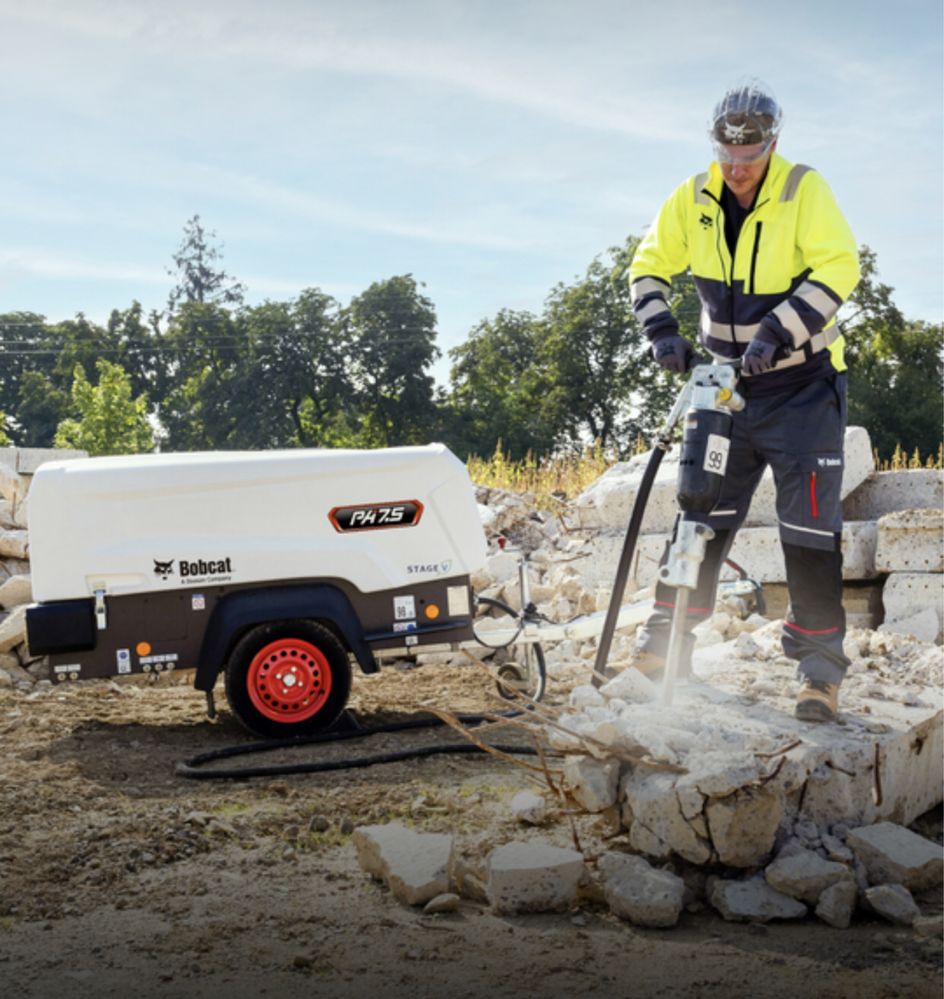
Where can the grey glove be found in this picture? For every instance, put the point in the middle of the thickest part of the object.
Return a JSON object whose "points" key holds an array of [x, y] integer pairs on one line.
{"points": [[759, 357], [674, 353]]}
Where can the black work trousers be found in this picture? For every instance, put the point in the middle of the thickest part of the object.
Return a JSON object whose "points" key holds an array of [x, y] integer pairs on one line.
{"points": [[800, 434]]}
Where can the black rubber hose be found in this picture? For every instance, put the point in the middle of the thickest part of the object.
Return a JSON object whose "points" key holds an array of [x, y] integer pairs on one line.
{"points": [[193, 768], [626, 556]]}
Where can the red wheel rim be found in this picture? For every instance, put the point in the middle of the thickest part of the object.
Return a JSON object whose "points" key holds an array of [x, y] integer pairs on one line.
{"points": [[289, 680]]}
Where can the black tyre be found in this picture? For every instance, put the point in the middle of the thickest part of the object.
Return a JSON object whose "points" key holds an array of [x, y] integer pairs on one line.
{"points": [[520, 666], [288, 678]]}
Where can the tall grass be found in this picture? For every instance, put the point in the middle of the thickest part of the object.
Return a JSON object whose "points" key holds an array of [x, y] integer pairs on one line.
{"points": [[552, 480], [555, 480]]}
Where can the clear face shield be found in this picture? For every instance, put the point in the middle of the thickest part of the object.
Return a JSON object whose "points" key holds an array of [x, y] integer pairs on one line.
{"points": [[746, 155]]}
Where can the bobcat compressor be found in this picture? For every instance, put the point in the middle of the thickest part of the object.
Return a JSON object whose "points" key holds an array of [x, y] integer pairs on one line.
{"points": [[278, 569]]}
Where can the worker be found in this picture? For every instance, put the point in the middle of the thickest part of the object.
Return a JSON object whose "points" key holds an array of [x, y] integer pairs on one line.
{"points": [[772, 259]]}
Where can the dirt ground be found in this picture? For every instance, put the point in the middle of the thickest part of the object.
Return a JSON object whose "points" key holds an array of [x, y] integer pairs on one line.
{"points": [[120, 878]]}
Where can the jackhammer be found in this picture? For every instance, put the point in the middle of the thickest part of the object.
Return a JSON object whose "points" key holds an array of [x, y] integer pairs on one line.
{"points": [[707, 401]]}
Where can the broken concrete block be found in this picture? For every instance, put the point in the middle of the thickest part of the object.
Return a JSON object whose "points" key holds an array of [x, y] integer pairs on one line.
{"points": [[911, 541], [415, 866], [6, 513], [15, 591], [586, 696], [716, 774], [593, 783], [639, 893], [529, 808], [886, 492], [893, 902], [743, 826], [893, 854], [533, 877], [13, 629], [630, 685], [752, 901], [805, 875], [14, 543], [908, 593], [447, 902], [837, 903], [925, 626], [653, 815]]}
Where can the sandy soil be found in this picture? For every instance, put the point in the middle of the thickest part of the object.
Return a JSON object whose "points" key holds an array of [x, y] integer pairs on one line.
{"points": [[119, 878]]}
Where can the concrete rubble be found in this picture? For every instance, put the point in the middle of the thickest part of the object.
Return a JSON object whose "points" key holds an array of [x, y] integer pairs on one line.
{"points": [[891, 854], [529, 808], [894, 902], [416, 867], [642, 894], [533, 877]]}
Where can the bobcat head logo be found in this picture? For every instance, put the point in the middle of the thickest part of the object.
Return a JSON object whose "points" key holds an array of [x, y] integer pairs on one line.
{"points": [[735, 133], [163, 569], [705, 220]]}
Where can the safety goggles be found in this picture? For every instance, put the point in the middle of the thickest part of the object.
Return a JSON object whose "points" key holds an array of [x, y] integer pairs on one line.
{"points": [[742, 155]]}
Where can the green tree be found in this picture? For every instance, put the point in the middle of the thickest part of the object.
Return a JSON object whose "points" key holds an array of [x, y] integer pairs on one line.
{"points": [[37, 360], [109, 420], [606, 387], [896, 375], [5, 440], [497, 388], [390, 335], [199, 275]]}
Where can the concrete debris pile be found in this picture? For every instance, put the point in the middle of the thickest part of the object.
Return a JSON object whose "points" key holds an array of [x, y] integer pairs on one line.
{"points": [[826, 873]]}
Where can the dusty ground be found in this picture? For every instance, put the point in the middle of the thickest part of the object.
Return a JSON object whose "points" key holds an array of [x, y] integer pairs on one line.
{"points": [[118, 878]]}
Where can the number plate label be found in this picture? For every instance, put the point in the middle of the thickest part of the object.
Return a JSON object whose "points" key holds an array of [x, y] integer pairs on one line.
{"points": [[716, 454]]}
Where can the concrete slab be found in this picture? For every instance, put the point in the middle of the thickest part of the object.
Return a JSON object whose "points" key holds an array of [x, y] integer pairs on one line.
{"points": [[886, 492], [752, 901], [911, 541], [908, 593], [415, 866], [893, 854], [533, 877]]}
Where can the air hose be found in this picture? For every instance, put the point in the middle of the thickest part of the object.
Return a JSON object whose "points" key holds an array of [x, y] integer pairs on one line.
{"points": [[626, 557], [194, 768]]}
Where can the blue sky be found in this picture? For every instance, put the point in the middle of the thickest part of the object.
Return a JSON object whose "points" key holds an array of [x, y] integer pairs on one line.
{"points": [[489, 148]]}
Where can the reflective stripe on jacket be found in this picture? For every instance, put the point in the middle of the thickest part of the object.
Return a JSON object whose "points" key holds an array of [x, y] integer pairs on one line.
{"points": [[795, 263]]}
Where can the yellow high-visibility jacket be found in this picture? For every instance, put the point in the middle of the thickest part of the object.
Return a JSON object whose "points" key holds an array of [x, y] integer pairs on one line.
{"points": [[795, 263]]}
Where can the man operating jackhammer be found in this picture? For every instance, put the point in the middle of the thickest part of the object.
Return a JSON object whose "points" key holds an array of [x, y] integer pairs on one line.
{"points": [[772, 259]]}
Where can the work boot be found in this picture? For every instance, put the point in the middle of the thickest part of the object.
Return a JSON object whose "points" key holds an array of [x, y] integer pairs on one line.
{"points": [[818, 701], [651, 665]]}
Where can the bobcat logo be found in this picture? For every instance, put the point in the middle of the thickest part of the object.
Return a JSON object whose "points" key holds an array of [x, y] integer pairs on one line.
{"points": [[705, 220], [163, 569], [735, 133]]}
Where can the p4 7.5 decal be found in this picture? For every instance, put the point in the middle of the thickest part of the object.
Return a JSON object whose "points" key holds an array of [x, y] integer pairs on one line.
{"points": [[376, 516]]}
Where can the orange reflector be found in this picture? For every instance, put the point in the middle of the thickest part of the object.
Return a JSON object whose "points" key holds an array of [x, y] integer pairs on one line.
{"points": [[143, 648], [431, 611]]}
